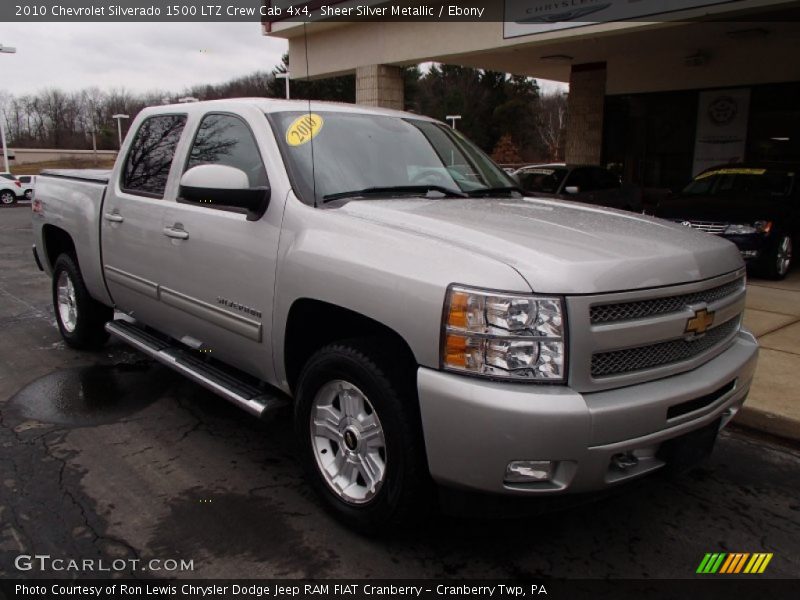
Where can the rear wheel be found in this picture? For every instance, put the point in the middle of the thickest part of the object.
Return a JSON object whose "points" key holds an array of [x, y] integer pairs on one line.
{"points": [[7, 197], [28, 194], [779, 260], [360, 440], [80, 318]]}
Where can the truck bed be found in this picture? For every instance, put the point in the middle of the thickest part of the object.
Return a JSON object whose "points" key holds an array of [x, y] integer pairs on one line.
{"points": [[72, 200]]}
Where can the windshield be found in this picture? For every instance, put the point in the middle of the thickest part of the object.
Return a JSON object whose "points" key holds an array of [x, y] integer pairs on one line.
{"points": [[735, 181], [541, 179], [353, 152]]}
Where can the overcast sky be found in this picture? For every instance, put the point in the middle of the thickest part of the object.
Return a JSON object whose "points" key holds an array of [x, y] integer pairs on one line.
{"points": [[137, 56]]}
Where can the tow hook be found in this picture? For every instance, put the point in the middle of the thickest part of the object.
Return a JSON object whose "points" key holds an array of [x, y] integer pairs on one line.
{"points": [[624, 461]]}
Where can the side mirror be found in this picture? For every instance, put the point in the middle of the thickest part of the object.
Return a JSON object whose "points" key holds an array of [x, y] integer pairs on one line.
{"points": [[572, 189], [224, 187]]}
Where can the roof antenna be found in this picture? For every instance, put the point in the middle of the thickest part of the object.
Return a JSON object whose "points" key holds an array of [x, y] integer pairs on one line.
{"points": [[311, 141]]}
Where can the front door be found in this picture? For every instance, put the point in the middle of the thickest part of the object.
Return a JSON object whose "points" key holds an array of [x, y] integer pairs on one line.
{"points": [[220, 267]]}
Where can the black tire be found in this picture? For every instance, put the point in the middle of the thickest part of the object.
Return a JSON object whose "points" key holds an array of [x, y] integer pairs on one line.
{"points": [[7, 198], [28, 194], [88, 330], [403, 496], [776, 263]]}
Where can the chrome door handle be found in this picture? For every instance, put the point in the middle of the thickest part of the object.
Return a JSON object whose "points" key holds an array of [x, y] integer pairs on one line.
{"points": [[178, 234], [114, 217]]}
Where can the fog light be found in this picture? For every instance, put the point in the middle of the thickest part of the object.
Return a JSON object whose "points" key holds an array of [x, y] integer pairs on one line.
{"points": [[526, 471]]}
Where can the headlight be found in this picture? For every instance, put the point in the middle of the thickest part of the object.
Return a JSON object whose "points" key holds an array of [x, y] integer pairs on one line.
{"points": [[741, 229], [509, 336]]}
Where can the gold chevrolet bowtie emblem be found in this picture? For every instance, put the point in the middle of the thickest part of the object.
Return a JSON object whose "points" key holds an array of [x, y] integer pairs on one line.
{"points": [[700, 322]]}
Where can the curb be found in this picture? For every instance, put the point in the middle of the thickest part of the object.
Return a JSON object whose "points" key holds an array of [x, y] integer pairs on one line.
{"points": [[767, 422]]}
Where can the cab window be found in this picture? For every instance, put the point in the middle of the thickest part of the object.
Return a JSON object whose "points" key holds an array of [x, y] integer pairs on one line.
{"points": [[606, 180], [541, 180], [580, 178], [227, 140], [150, 156]]}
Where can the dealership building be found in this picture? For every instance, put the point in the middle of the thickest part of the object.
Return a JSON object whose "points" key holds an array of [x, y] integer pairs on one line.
{"points": [[658, 88]]}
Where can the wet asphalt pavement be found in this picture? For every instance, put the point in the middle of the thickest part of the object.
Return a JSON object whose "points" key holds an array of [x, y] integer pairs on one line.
{"points": [[108, 455]]}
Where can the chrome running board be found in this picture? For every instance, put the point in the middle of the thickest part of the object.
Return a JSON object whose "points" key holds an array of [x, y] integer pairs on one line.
{"points": [[258, 401]]}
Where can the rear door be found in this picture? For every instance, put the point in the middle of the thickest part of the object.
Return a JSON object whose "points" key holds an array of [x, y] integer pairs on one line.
{"points": [[132, 238], [219, 268]]}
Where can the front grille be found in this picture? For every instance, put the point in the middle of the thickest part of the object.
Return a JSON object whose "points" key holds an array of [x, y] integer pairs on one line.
{"points": [[625, 311], [707, 226], [618, 362]]}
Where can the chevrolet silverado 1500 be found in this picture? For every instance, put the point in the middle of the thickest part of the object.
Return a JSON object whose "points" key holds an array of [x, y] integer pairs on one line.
{"points": [[432, 327]]}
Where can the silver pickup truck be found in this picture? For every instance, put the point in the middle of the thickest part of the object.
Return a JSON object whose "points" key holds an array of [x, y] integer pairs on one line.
{"points": [[432, 327]]}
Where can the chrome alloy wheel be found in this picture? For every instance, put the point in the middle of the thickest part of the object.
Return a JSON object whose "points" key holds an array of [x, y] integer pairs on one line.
{"points": [[784, 256], [7, 197], [67, 305], [348, 442]]}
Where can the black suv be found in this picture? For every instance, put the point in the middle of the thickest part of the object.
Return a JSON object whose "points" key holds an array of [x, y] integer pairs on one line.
{"points": [[756, 206]]}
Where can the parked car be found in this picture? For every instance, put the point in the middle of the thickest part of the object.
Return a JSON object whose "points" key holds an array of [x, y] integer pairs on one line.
{"points": [[756, 206], [580, 183], [10, 189], [28, 185], [430, 325]]}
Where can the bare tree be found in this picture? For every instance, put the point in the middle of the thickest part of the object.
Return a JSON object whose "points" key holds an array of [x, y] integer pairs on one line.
{"points": [[552, 123]]}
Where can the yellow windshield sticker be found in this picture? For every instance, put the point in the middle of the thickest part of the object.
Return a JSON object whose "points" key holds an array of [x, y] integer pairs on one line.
{"points": [[731, 171], [303, 129]]}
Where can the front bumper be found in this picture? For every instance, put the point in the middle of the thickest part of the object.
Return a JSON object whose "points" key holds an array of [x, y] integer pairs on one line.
{"points": [[752, 247], [473, 428]]}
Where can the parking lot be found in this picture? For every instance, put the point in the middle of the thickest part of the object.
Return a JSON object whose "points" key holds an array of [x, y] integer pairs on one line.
{"points": [[110, 456]]}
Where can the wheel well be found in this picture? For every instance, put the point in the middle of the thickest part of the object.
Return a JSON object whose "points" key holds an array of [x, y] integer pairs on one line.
{"points": [[312, 324], [56, 242]]}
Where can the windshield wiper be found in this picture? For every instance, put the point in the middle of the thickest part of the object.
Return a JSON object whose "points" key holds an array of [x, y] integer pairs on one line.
{"points": [[395, 189], [491, 191]]}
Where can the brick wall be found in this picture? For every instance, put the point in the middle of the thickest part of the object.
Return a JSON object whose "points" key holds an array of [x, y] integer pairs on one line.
{"points": [[380, 85]]}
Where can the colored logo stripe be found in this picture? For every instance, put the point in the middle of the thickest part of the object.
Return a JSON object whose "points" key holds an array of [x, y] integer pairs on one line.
{"points": [[734, 562], [758, 563], [711, 563], [724, 563]]}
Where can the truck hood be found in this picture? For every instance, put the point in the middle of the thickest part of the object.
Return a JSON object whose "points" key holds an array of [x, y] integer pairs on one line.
{"points": [[561, 247]]}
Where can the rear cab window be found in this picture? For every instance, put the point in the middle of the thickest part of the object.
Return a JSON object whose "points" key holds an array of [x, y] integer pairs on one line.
{"points": [[150, 156]]}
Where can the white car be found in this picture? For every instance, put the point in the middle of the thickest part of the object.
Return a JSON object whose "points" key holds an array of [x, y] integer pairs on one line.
{"points": [[28, 184], [10, 189]]}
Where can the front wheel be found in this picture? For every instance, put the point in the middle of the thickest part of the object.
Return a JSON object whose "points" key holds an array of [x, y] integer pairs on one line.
{"points": [[360, 439], [779, 260], [7, 197], [81, 319], [28, 194]]}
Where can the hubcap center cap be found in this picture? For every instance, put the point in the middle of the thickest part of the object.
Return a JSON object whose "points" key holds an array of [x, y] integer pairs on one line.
{"points": [[350, 439]]}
